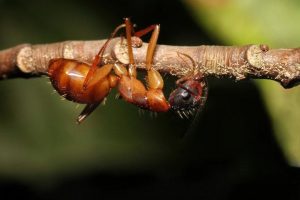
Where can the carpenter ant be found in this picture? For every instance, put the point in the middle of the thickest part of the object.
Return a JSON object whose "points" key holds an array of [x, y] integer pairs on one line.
{"points": [[90, 84]]}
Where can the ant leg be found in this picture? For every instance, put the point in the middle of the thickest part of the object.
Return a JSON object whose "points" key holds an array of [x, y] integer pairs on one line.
{"points": [[144, 31], [88, 109], [98, 57], [131, 67], [151, 47], [129, 30], [155, 80], [156, 98]]}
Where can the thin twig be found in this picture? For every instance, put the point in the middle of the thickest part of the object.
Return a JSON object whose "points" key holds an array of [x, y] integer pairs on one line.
{"points": [[250, 61]]}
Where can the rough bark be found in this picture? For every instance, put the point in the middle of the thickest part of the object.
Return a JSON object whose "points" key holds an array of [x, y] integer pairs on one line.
{"points": [[238, 62]]}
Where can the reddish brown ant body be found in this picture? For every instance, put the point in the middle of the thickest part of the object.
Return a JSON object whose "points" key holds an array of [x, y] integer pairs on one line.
{"points": [[90, 84]]}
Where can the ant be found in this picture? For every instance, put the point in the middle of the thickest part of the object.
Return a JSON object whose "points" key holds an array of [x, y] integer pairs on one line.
{"points": [[90, 84], [191, 93]]}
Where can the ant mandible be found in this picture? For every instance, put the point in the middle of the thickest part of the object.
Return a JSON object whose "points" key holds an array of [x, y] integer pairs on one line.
{"points": [[89, 84]]}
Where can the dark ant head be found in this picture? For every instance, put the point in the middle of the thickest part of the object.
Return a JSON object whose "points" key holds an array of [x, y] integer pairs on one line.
{"points": [[188, 97]]}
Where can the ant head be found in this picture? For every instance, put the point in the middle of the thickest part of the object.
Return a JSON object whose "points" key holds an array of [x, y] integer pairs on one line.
{"points": [[188, 96]]}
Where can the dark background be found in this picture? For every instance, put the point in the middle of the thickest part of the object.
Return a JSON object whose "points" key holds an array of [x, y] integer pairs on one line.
{"points": [[228, 152]]}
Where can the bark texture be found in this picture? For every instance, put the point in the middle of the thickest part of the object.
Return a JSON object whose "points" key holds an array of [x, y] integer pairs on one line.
{"points": [[238, 62]]}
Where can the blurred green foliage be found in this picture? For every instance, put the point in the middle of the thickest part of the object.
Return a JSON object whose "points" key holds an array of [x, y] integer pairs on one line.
{"points": [[272, 22]]}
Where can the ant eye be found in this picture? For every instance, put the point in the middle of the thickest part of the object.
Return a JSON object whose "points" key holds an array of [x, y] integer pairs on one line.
{"points": [[186, 95]]}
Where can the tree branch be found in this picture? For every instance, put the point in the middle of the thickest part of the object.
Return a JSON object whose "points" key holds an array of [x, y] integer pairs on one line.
{"points": [[250, 61]]}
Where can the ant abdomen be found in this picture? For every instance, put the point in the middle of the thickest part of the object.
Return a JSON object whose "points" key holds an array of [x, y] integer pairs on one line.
{"points": [[67, 77]]}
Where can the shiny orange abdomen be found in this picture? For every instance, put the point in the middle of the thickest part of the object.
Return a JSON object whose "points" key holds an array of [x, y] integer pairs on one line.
{"points": [[67, 77]]}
